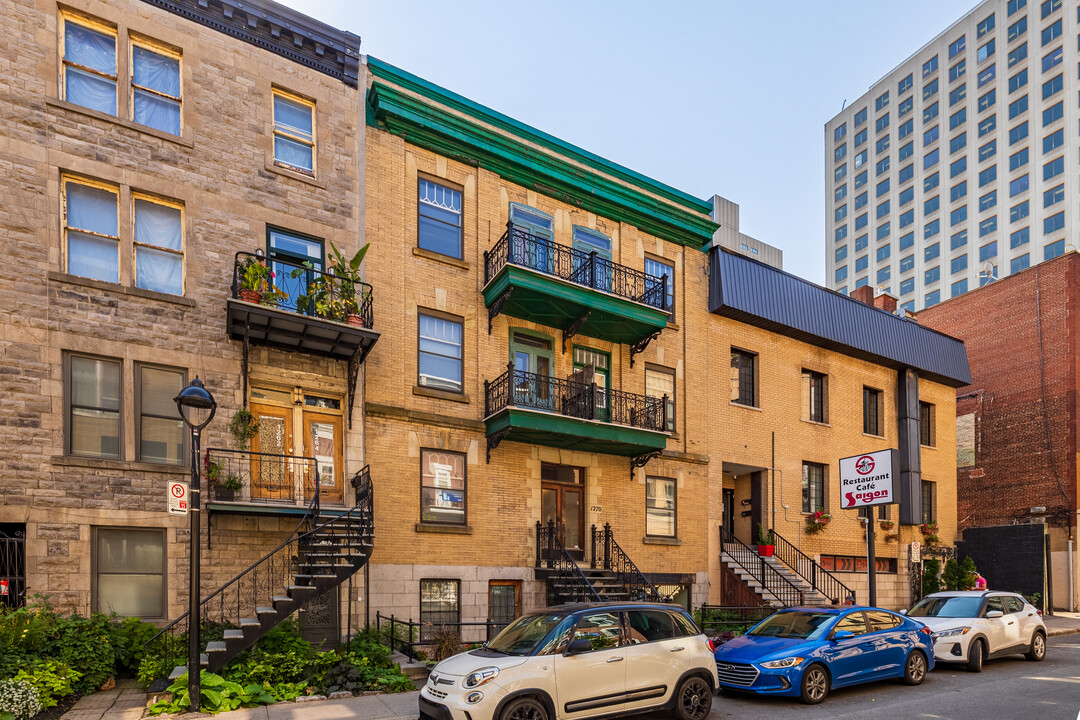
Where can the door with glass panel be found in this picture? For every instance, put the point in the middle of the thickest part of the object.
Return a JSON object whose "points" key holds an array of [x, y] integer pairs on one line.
{"points": [[504, 602], [532, 245], [562, 500], [601, 365], [291, 253], [322, 441], [533, 359], [588, 271], [271, 474]]}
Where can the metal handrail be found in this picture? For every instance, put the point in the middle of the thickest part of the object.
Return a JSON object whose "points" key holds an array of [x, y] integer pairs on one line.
{"points": [[615, 559], [276, 473], [585, 401], [518, 246], [304, 290], [415, 628], [558, 558], [772, 582], [809, 570]]}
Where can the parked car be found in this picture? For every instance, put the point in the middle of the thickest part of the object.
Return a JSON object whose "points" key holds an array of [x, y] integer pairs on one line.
{"points": [[806, 652], [582, 661], [976, 625]]}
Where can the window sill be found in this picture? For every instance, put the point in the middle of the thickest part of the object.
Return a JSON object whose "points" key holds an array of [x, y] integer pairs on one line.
{"points": [[871, 435], [441, 394], [927, 447], [104, 464], [672, 325], [743, 405], [423, 527], [115, 120], [122, 289], [815, 422], [440, 258], [660, 541], [273, 167]]}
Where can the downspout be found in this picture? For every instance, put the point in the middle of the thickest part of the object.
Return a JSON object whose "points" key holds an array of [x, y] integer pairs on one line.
{"points": [[772, 485]]}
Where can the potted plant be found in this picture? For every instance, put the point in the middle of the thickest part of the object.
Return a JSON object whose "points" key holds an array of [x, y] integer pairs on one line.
{"points": [[892, 537], [886, 525], [243, 427], [816, 521], [347, 271], [254, 279], [766, 545], [930, 533], [212, 469], [225, 488]]}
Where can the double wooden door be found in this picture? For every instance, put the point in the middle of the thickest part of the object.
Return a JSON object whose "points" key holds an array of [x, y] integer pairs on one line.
{"points": [[274, 476]]}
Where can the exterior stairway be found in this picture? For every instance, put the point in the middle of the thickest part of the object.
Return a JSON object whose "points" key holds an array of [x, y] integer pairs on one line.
{"points": [[611, 576], [324, 551], [775, 591]]}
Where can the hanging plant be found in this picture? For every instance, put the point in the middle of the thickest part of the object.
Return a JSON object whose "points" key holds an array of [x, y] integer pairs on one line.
{"points": [[816, 522], [886, 525], [929, 528], [243, 427]]}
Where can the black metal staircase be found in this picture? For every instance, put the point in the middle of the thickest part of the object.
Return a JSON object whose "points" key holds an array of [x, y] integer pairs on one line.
{"points": [[610, 577], [818, 578], [758, 573], [322, 552]]}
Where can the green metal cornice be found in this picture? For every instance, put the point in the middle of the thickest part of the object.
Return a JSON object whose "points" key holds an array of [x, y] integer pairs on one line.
{"points": [[466, 141]]}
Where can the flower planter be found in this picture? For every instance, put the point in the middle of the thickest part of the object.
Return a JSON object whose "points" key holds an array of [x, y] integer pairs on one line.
{"points": [[223, 495], [766, 550], [251, 296], [355, 319]]}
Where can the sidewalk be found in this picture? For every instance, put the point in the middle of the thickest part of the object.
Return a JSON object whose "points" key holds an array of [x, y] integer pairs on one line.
{"points": [[126, 702], [400, 706], [1062, 623]]}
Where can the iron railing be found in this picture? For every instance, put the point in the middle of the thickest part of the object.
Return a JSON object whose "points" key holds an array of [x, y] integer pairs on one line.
{"points": [[298, 288], [266, 477], [518, 246], [12, 568], [553, 555], [782, 590], [408, 636], [809, 570], [585, 401], [608, 555], [258, 583]]}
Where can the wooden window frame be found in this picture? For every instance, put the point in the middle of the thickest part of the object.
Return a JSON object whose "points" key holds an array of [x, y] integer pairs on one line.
{"points": [[752, 357], [674, 513], [806, 480], [672, 404], [670, 265], [421, 311], [928, 487], [421, 177], [96, 26], [815, 383], [65, 180], [275, 132], [182, 252], [185, 450], [464, 488], [420, 588], [926, 424], [516, 584], [68, 388], [158, 49], [94, 570], [876, 427]]}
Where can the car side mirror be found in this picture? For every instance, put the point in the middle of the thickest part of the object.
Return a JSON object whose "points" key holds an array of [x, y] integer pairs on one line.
{"points": [[991, 614], [843, 635], [581, 645], [903, 612]]}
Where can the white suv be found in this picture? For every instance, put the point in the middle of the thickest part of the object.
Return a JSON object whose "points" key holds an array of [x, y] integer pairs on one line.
{"points": [[579, 661], [975, 625]]}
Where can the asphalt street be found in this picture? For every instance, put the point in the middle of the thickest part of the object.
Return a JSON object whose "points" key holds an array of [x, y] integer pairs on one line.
{"points": [[1011, 687]]}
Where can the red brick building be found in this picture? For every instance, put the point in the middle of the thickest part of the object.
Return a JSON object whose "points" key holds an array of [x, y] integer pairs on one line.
{"points": [[1017, 421]]}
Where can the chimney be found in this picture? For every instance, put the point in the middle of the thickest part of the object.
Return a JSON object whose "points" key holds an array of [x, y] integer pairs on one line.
{"points": [[864, 294], [885, 302]]}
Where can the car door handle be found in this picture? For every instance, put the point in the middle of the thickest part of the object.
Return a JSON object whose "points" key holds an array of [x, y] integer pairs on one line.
{"points": [[1010, 622], [677, 649], [614, 659]]}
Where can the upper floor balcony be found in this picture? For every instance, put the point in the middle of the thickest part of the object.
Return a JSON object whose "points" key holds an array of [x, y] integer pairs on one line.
{"points": [[529, 276]]}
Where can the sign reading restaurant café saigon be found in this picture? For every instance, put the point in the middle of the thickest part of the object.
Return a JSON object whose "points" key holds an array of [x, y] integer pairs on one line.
{"points": [[867, 479]]}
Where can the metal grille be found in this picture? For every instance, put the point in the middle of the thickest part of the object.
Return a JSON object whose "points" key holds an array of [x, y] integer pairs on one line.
{"points": [[12, 567], [736, 673], [436, 693]]}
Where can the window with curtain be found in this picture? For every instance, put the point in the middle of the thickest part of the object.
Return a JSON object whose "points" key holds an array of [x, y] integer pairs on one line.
{"points": [[90, 66], [439, 353], [813, 487], [658, 383], [442, 487], [93, 395], [159, 246], [155, 88], [128, 574], [660, 506], [91, 230], [438, 218], [294, 132], [160, 428], [658, 269]]}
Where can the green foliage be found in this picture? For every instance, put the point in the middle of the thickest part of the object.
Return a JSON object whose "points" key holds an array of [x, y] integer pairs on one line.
{"points": [[726, 622], [970, 573], [445, 642], [52, 680], [959, 575], [764, 538], [216, 694], [243, 427], [84, 643], [931, 583], [128, 636]]}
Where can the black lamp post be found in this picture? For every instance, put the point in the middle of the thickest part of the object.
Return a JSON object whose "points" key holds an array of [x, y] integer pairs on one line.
{"points": [[197, 407]]}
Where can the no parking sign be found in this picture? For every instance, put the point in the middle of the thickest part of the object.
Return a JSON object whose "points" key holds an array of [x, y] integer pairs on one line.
{"points": [[178, 498]]}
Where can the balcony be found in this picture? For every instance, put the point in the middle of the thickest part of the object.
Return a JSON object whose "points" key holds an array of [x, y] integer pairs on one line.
{"points": [[530, 277], [291, 306], [541, 410]]}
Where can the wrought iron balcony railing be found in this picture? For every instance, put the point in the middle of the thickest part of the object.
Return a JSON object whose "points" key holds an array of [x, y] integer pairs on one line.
{"points": [[519, 247], [298, 288], [261, 477], [585, 401]]}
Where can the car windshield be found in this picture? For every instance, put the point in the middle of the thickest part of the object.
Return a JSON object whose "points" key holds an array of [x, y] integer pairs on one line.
{"points": [[947, 607], [525, 634], [802, 625]]}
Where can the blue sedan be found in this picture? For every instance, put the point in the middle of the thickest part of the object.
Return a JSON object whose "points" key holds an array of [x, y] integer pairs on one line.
{"points": [[805, 652]]}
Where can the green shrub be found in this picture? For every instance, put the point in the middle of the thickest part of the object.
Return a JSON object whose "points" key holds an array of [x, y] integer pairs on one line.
{"points": [[84, 644], [930, 581], [967, 566], [52, 680], [128, 636]]}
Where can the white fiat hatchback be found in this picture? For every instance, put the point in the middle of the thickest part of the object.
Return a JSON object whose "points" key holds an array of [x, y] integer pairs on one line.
{"points": [[975, 625], [579, 661]]}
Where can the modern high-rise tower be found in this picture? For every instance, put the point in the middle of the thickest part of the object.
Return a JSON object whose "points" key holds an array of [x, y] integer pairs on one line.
{"points": [[960, 165]]}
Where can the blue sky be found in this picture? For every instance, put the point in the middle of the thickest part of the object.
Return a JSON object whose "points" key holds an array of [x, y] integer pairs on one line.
{"points": [[710, 97]]}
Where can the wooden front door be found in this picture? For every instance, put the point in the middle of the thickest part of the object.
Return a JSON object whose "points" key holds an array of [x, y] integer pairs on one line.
{"points": [[562, 499], [272, 477], [322, 441]]}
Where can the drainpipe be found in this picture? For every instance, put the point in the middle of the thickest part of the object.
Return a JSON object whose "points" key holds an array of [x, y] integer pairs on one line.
{"points": [[1069, 603], [772, 485]]}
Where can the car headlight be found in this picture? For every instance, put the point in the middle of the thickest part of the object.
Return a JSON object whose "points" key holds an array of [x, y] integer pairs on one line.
{"points": [[955, 632], [478, 677], [788, 662]]}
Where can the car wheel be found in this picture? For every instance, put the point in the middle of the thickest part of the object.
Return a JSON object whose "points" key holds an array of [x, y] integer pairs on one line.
{"points": [[915, 668], [975, 656], [693, 699], [815, 684], [525, 708], [1038, 647]]}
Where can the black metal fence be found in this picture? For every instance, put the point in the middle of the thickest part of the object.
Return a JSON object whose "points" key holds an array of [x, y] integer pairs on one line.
{"points": [[775, 588], [262, 476], [809, 570], [12, 568], [411, 637], [519, 247], [609, 555]]}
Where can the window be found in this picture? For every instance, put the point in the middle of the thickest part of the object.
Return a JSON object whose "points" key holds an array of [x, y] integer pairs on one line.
{"points": [[841, 273], [1018, 160], [883, 274], [1052, 86], [861, 221], [1016, 30], [1053, 113], [958, 263], [882, 210], [1053, 196], [882, 101], [1053, 250], [1051, 32], [860, 180], [1019, 53], [987, 101], [660, 508], [957, 46], [860, 159], [985, 152], [988, 201], [906, 173], [442, 487], [931, 205], [987, 75], [956, 96], [91, 230], [932, 298], [813, 487], [1018, 133], [1014, 5], [860, 117], [931, 252], [159, 429], [906, 264], [294, 133], [1018, 185], [1051, 60], [905, 129], [128, 572], [958, 240], [660, 382], [1018, 212], [932, 275], [958, 191], [883, 231], [1020, 237], [987, 125], [930, 66], [882, 188], [1018, 106], [861, 263], [439, 604], [1018, 81], [907, 286], [882, 145], [883, 253], [1053, 168], [840, 173], [90, 66], [904, 85], [988, 251], [958, 167], [930, 159], [931, 229], [872, 400], [743, 377], [439, 352], [1019, 263], [860, 137], [840, 193], [840, 152], [930, 89], [1054, 223], [882, 167], [985, 52], [663, 269], [906, 196], [1049, 7], [1053, 141], [93, 395], [159, 245], [958, 143], [905, 106], [928, 495], [860, 200], [861, 242], [984, 27], [906, 218], [958, 118], [930, 135], [930, 113], [840, 132], [882, 123], [958, 288], [841, 233], [439, 226], [987, 226]]}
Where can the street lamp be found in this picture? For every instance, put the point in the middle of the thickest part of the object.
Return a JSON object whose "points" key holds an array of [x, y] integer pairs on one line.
{"points": [[197, 407]]}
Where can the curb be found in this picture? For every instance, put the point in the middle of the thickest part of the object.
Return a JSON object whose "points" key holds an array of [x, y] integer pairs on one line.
{"points": [[1064, 631]]}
